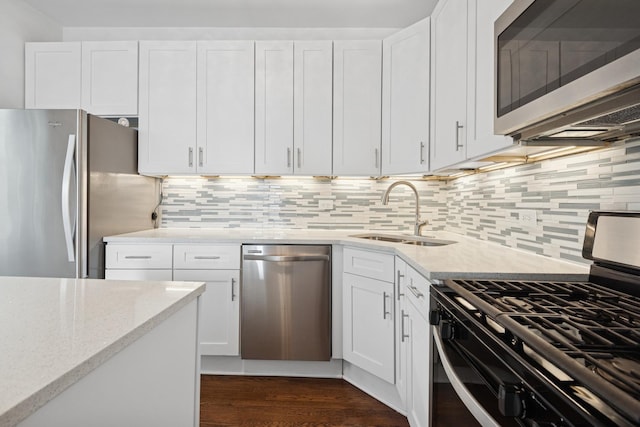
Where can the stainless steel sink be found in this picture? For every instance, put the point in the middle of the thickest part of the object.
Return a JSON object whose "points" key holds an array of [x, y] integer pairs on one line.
{"points": [[407, 240]]}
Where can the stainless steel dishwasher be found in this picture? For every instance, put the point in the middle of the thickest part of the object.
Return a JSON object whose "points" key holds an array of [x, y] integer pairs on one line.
{"points": [[285, 302]]}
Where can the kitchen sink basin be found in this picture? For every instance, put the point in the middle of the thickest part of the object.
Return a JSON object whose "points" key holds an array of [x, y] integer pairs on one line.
{"points": [[407, 240], [380, 237]]}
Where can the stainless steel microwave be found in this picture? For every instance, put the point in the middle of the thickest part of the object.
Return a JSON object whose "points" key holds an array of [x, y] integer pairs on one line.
{"points": [[568, 69]]}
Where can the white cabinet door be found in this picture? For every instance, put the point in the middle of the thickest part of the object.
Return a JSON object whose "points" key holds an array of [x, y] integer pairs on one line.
{"points": [[225, 107], [449, 28], [219, 324], [167, 118], [357, 80], [110, 78], [405, 100], [481, 108], [402, 338], [52, 75], [313, 107], [419, 363], [368, 329], [274, 108]]}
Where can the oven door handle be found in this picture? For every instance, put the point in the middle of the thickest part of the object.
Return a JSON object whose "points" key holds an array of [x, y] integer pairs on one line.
{"points": [[467, 398]]}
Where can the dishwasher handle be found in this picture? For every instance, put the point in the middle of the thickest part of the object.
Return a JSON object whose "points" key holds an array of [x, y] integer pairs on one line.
{"points": [[286, 258]]}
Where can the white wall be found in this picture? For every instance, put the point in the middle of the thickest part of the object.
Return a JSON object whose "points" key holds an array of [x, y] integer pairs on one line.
{"points": [[19, 23]]}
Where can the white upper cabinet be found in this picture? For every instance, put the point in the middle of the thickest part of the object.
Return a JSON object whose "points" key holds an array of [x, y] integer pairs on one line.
{"points": [[405, 100], [463, 81], [274, 108], [99, 77], [357, 80], [167, 117], [293, 104], [225, 107], [480, 136], [110, 78], [313, 107], [52, 75], [449, 23]]}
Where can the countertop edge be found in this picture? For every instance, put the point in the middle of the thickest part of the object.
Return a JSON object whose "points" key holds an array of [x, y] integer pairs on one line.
{"points": [[397, 249], [31, 404]]}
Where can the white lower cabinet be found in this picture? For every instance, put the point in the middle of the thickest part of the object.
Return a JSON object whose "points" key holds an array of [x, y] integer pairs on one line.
{"points": [[219, 327], [368, 317], [417, 342], [219, 267], [401, 334]]}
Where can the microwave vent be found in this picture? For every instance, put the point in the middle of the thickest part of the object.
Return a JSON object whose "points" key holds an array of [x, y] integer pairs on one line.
{"points": [[617, 118]]}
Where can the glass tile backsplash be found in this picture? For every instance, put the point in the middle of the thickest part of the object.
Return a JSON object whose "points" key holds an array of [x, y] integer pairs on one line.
{"points": [[485, 206]]}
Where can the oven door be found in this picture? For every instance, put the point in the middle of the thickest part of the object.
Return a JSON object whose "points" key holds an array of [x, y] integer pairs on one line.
{"points": [[460, 394]]}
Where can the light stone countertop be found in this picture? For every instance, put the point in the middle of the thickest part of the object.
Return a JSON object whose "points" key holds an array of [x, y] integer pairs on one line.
{"points": [[53, 332], [467, 258]]}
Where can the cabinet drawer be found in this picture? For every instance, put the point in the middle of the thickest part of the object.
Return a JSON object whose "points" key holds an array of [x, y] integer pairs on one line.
{"points": [[206, 257], [417, 291], [375, 265], [138, 256]]}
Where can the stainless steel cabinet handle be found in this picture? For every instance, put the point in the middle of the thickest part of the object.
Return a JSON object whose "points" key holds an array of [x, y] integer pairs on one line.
{"points": [[402, 334], [233, 289], [283, 258], [137, 257], [421, 152], [200, 156], [377, 159], [190, 157], [384, 305], [416, 292], [458, 127], [400, 275], [206, 257], [288, 157], [299, 158]]}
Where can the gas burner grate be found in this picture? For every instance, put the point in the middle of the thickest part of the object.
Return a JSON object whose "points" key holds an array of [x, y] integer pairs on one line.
{"points": [[584, 330], [592, 303]]}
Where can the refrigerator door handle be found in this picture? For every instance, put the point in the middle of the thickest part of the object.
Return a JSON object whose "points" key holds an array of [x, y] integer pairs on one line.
{"points": [[68, 222]]}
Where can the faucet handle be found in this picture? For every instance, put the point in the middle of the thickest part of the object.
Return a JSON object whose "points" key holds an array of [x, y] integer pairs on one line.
{"points": [[419, 224]]}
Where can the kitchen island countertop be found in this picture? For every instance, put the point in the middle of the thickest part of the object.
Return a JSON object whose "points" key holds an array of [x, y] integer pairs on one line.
{"points": [[467, 258], [53, 332]]}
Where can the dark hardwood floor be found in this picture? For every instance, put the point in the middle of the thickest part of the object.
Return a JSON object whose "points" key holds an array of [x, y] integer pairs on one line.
{"points": [[284, 401]]}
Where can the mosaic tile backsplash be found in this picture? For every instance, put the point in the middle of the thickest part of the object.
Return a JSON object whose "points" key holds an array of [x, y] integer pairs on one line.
{"points": [[485, 206]]}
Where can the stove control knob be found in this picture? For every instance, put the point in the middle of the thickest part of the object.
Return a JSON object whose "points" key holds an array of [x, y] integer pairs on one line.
{"points": [[510, 401], [434, 317], [446, 330]]}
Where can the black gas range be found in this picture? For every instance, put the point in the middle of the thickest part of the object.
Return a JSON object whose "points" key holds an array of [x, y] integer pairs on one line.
{"points": [[549, 353]]}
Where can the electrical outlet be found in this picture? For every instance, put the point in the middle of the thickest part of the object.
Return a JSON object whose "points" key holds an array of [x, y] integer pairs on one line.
{"points": [[325, 205], [527, 218]]}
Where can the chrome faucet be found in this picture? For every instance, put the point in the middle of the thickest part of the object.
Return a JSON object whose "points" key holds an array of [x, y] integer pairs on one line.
{"points": [[417, 229]]}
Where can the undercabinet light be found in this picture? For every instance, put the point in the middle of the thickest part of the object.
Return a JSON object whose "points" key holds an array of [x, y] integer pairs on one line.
{"points": [[552, 152], [494, 166]]}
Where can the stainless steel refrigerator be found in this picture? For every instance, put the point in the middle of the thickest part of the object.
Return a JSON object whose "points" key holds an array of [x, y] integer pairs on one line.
{"points": [[67, 179]]}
